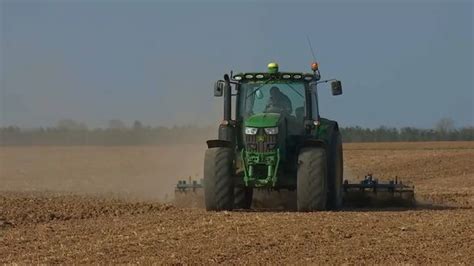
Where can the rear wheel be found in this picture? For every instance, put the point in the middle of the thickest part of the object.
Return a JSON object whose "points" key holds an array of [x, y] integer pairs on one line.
{"points": [[335, 173], [218, 182], [311, 187], [243, 197]]}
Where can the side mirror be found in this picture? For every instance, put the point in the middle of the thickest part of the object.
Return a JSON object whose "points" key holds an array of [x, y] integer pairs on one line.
{"points": [[219, 88], [336, 87]]}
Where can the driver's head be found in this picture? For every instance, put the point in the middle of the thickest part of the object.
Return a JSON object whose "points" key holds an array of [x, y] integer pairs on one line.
{"points": [[274, 91]]}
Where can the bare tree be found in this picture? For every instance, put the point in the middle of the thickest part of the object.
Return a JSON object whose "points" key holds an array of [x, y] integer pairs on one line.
{"points": [[445, 125], [137, 125], [69, 124]]}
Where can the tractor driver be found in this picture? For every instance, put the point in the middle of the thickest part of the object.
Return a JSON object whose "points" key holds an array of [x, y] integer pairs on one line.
{"points": [[279, 102]]}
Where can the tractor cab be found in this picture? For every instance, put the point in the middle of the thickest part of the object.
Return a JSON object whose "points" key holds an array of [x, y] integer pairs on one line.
{"points": [[284, 98], [292, 95]]}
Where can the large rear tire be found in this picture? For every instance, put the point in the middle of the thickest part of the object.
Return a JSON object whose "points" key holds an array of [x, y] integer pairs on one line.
{"points": [[335, 173], [218, 182], [311, 190], [243, 197]]}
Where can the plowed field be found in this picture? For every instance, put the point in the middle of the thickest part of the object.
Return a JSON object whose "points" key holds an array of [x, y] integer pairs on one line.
{"points": [[114, 205]]}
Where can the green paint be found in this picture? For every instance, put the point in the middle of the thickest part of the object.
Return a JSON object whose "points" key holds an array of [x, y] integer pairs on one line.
{"points": [[263, 120], [324, 130], [273, 67], [270, 160]]}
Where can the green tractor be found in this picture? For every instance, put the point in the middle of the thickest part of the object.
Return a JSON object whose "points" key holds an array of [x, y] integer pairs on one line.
{"points": [[274, 139]]}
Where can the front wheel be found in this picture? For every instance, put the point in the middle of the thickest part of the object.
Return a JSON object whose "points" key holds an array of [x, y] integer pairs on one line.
{"points": [[311, 189], [218, 182]]}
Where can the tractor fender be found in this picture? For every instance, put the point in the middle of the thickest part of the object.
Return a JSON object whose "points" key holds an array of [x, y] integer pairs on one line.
{"points": [[325, 140], [334, 128], [216, 143], [329, 128]]}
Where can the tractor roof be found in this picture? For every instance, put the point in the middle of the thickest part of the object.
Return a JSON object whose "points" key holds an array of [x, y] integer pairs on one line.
{"points": [[263, 76], [273, 73]]}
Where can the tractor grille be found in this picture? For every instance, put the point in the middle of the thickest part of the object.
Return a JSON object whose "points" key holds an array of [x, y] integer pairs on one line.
{"points": [[261, 142]]}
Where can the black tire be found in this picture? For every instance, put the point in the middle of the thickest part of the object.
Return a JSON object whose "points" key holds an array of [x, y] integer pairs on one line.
{"points": [[311, 189], [335, 171], [243, 197], [218, 180]]}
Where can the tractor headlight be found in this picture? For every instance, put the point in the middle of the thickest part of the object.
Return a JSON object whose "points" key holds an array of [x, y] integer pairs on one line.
{"points": [[271, 130], [251, 130]]}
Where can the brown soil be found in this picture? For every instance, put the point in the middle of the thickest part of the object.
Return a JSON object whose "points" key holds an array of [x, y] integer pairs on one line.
{"points": [[99, 205]]}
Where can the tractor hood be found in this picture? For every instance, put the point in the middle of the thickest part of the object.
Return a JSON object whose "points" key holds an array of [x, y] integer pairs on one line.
{"points": [[263, 120]]}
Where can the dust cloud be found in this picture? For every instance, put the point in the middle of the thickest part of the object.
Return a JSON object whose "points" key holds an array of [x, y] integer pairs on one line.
{"points": [[131, 172]]}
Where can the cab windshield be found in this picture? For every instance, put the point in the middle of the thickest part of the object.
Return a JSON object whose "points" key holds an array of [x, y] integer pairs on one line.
{"points": [[281, 96]]}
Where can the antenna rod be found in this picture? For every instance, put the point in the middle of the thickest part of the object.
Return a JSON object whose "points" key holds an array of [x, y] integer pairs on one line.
{"points": [[311, 47]]}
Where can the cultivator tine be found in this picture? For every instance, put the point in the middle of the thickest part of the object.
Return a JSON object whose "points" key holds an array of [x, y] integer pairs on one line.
{"points": [[371, 192], [189, 193]]}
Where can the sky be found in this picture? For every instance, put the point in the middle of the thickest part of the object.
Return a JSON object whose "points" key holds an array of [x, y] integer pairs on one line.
{"points": [[407, 63]]}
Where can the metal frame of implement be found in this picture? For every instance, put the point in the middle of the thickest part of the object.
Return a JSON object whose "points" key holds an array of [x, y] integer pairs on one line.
{"points": [[184, 186], [368, 185], [371, 192], [373, 185]]}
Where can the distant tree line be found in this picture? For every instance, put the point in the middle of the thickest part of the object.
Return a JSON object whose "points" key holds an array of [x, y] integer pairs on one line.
{"points": [[358, 134], [70, 132]]}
